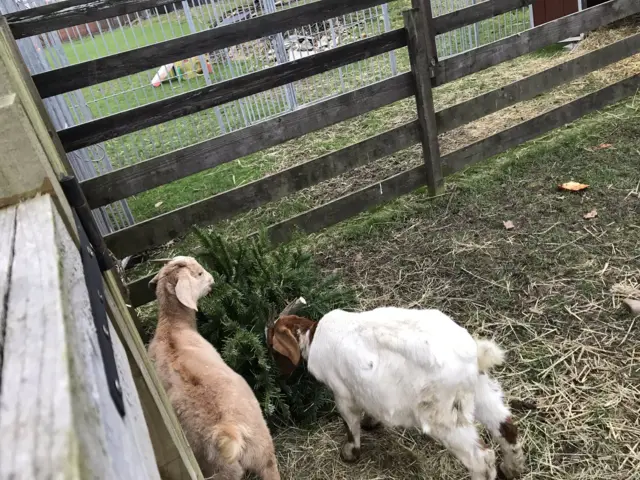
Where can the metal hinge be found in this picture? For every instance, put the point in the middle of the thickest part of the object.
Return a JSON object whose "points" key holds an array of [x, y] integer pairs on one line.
{"points": [[95, 259]]}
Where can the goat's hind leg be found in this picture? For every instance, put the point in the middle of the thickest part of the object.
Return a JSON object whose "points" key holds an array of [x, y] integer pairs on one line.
{"points": [[495, 416], [351, 415]]}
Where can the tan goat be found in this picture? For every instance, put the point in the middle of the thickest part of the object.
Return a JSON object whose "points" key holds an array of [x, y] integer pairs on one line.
{"points": [[216, 407]]}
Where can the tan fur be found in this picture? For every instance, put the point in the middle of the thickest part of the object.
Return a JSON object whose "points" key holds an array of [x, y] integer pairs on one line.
{"points": [[216, 407]]}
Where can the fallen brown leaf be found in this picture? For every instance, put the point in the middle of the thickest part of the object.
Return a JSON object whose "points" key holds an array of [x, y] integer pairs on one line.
{"points": [[573, 186], [592, 214], [508, 225]]}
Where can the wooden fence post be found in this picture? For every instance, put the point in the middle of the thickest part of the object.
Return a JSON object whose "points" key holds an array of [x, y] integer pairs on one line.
{"points": [[423, 56]]}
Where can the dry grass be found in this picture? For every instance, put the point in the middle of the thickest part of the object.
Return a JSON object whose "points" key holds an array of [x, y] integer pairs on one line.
{"points": [[549, 291]]}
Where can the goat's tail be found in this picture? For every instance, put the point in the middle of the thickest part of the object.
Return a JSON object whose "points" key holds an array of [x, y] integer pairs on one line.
{"points": [[230, 442], [490, 355]]}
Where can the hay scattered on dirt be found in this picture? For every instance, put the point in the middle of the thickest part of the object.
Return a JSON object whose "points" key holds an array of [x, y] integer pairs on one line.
{"points": [[550, 291]]}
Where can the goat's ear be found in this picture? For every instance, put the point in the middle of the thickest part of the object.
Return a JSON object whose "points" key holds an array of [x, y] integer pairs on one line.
{"points": [[286, 344], [186, 291]]}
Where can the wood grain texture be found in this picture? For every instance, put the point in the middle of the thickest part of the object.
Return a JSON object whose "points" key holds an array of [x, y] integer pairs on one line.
{"points": [[138, 60], [172, 166], [68, 13], [56, 415], [529, 41], [7, 236], [530, 87], [525, 131], [423, 56], [125, 439], [157, 171], [161, 229], [36, 381], [207, 97], [126, 63], [348, 206]]}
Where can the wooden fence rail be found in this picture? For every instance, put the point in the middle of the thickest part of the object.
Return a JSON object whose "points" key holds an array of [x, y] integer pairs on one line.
{"points": [[169, 167], [380, 192], [67, 13], [405, 182], [158, 230], [127, 181], [106, 128], [118, 65], [534, 39]]}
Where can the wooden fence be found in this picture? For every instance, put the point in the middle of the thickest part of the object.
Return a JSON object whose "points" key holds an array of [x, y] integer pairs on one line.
{"points": [[427, 73]]}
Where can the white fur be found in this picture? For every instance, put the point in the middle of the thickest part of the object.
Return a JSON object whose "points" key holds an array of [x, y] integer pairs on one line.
{"points": [[410, 368]]}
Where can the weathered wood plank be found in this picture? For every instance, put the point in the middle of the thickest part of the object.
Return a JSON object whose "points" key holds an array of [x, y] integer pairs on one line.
{"points": [[134, 61], [529, 41], [7, 235], [68, 13], [476, 13], [128, 181], [56, 415], [126, 63], [207, 97], [35, 442], [349, 205], [530, 87], [128, 447], [161, 229], [423, 56], [525, 131]]}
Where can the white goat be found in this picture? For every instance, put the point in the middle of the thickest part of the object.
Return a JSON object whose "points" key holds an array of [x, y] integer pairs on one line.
{"points": [[407, 368], [216, 407]]}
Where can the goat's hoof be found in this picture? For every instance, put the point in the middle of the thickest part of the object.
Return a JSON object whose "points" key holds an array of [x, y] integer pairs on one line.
{"points": [[509, 472], [488, 470], [513, 465], [369, 423], [349, 453]]}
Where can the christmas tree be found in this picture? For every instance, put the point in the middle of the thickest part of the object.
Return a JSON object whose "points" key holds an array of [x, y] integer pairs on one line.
{"points": [[253, 283]]}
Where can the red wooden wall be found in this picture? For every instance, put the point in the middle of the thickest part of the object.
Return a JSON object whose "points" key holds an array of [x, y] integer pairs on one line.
{"points": [[546, 10]]}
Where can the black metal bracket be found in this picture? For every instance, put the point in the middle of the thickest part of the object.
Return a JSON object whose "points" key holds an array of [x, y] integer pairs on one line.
{"points": [[94, 264]]}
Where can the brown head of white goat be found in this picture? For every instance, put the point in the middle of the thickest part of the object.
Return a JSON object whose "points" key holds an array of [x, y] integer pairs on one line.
{"points": [[407, 368], [216, 407]]}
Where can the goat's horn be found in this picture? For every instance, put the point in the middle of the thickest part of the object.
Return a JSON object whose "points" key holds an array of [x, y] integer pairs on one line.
{"points": [[288, 310]]}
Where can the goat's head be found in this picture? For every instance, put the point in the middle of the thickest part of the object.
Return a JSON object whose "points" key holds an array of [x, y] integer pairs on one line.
{"points": [[184, 278], [290, 337]]}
